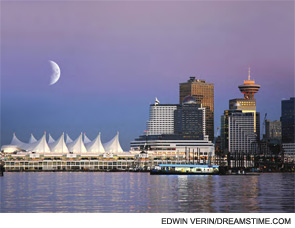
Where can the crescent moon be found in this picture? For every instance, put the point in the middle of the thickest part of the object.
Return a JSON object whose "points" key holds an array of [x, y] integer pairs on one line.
{"points": [[55, 74]]}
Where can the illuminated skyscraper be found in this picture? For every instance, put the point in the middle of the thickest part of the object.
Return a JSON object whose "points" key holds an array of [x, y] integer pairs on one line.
{"points": [[241, 120], [204, 94]]}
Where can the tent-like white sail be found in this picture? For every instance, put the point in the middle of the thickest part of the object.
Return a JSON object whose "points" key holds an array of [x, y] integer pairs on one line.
{"points": [[113, 146], [86, 139], [77, 146], [40, 146], [32, 139], [68, 139], [95, 146], [59, 146], [16, 142], [50, 139], [24, 146]]}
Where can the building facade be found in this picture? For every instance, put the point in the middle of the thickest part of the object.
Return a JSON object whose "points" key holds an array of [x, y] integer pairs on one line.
{"points": [[273, 130], [175, 131], [288, 121], [189, 119], [173, 148], [241, 135], [240, 125], [204, 94], [161, 119], [247, 106]]}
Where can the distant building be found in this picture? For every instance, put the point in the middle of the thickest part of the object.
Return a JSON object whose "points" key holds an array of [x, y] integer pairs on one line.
{"points": [[249, 88], [240, 125], [204, 94], [242, 137], [247, 106], [164, 146], [175, 131], [161, 119], [289, 151], [288, 136], [189, 119], [273, 131], [224, 130], [186, 120], [287, 119]]}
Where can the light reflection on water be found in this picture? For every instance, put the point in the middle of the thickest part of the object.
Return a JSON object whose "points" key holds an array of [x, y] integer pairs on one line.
{"points": [[140, 192]]}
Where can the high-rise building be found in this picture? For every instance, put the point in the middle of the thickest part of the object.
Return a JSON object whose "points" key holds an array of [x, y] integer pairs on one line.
{"points": [[204, 94], [287, 119], [189, 119], [161, 119], [176, 131], [273, 130], [224, 130], [242, 111], [288, 125], [247, 106], [241, 135]]}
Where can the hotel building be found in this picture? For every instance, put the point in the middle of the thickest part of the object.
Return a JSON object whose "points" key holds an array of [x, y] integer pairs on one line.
{"points": [[161, 119], [184, 139]]}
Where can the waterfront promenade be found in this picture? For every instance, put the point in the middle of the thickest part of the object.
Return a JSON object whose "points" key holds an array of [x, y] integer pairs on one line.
{"points": [[86, 165]]}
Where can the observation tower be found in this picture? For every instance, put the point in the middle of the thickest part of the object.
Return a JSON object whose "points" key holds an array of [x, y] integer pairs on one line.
{"points": [[249, 88]]}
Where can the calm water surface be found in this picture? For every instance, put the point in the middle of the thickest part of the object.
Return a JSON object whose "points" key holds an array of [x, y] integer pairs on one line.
{"points": [[140, 192]]}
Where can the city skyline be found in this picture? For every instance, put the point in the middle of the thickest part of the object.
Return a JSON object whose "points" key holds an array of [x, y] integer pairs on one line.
{"points": [[117, 57]]}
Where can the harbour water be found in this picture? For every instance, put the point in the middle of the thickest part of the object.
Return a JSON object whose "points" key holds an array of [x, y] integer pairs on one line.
{"points": [[141, 192]]}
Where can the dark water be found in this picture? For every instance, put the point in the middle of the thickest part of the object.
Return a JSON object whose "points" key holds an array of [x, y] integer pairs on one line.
{"points": [[140, 192]]}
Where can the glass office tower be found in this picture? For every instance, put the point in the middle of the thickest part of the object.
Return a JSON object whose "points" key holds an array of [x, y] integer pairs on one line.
{"points": [[204, 94]]}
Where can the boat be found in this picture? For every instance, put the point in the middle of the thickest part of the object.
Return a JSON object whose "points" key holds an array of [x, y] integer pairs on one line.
{"points": [[185, 169]]}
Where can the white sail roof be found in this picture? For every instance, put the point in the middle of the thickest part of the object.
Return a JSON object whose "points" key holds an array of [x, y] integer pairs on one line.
{"points": [[86, 139], [95, 146], [59, 146], [16, 142], [24, 146], [32, 139], [77, 146], [68, 139], [50, 139], [113, 146], [40, 146]]}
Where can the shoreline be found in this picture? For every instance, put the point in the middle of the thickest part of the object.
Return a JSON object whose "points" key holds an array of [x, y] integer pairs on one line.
{"points": [[132, 171]]}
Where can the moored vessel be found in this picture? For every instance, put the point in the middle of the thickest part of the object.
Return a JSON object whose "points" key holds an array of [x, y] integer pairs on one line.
{"points": [[185, 169]]}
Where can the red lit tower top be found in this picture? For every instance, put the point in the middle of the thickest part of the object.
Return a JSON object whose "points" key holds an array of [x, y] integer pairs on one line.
{"points": [[249, 88]]}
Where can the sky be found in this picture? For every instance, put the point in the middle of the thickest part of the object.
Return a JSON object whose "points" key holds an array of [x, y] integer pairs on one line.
{"points": [[116, 57]]}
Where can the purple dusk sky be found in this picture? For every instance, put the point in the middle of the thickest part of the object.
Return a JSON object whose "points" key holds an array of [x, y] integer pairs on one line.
{"points": [[116, 57]]}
